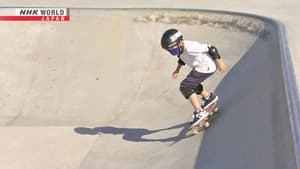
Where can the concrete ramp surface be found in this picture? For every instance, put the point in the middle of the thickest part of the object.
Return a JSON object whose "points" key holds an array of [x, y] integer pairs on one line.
{"points": [[96, 92]]}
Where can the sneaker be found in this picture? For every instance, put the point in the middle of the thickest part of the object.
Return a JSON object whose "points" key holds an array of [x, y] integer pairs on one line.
{"points": [[208, 101], [198, 117]]}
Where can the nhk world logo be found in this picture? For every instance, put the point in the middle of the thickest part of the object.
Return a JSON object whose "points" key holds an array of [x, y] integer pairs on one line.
{"points": [[35, 14]]}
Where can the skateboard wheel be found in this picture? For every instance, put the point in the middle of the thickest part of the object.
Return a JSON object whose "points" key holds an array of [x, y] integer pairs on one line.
{"points": [[206, 124], [196, 131], [216, 110]]}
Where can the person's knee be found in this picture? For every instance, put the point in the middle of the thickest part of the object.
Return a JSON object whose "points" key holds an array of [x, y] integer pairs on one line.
{"points": [[199, 89], [186, 91]]}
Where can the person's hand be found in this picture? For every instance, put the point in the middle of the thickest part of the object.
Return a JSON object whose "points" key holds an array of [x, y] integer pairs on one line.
{"points": [[174, 75]]}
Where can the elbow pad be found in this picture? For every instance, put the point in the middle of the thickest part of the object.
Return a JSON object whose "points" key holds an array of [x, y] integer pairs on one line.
{"points": [[180, 62], [212, 50]]}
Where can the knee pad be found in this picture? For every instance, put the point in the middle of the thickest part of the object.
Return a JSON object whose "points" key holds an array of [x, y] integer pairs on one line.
{"points": [[199, 89], [186, 92]]}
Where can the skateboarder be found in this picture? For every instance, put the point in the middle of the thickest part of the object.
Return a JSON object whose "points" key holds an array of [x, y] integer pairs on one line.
{"points": [[203, 59]]}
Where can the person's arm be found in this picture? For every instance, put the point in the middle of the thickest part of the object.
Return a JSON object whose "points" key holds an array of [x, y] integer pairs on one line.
{"points": [[221, 65], [177, 70], [179, 65]]}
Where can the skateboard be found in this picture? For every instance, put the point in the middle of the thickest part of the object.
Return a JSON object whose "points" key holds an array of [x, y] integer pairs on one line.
{"points": [[212, 110]]}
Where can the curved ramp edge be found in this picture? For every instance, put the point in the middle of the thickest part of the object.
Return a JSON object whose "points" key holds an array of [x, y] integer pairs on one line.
{"points": [[291, 89]]}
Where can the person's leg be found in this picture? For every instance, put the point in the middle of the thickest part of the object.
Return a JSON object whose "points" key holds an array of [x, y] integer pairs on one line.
{"points": [[199, 114], [208, 98], [205, 93], [194, 100], [190, 89]]}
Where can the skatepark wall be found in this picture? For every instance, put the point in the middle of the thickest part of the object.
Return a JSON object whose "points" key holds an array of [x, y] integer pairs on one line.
{"points": [[261, 107]]}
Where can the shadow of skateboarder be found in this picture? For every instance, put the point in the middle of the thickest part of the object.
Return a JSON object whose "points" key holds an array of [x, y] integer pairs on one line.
{"points": [[137, 134]]}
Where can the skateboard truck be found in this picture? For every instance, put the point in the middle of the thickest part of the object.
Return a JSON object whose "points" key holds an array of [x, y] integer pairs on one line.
{"points": [[205, 123]]}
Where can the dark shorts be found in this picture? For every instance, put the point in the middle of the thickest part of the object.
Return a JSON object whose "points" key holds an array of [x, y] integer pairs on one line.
{"points": [[193, 79]]}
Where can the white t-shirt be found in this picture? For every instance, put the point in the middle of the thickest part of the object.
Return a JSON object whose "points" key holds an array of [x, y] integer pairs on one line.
{"points": [[196, 56]]}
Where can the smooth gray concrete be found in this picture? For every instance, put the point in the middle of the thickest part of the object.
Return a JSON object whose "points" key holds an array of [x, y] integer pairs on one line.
{"points": [[103, 82], [255, 132]]}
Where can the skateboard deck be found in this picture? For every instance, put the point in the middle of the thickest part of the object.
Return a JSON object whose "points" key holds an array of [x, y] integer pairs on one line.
{"points": [[212, 110]]}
